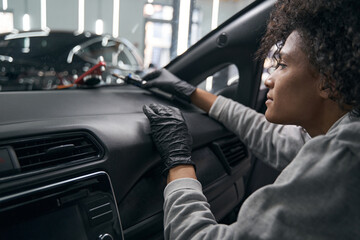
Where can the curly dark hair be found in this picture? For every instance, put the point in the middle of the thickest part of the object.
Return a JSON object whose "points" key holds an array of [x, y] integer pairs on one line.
{"points": [[330, 33]]}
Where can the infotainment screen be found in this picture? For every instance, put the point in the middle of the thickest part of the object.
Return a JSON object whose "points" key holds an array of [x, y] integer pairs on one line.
{"points": [[65, 223]]}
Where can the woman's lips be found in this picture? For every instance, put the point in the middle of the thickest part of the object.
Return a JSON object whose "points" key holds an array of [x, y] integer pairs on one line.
{"points": [[269, 100]]}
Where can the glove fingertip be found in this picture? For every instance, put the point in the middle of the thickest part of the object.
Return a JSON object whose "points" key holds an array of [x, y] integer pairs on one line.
{"points": [[156, 107], [147, 111], [152, 75]]}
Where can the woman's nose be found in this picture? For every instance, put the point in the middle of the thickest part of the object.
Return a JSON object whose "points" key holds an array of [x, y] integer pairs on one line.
{"points": [[269, 83]]}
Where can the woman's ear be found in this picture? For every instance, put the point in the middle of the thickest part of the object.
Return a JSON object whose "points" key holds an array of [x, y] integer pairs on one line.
{"points": [[325, 93], [326, 87]]}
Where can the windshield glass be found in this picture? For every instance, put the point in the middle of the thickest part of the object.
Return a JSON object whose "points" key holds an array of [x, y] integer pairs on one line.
{"points": [[51, 44]]}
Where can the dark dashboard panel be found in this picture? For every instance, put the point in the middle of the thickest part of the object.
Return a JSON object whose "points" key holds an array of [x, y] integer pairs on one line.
{"points": [[113, 115]]}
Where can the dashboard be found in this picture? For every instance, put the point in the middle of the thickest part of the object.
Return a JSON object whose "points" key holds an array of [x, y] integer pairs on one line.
{"points": [[56, 136]]}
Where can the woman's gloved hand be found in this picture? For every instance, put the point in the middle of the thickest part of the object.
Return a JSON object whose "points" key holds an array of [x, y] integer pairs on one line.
{"points": [[170, 134], [168, 82]]}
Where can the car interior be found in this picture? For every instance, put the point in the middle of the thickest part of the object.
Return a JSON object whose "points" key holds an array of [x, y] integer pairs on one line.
{"points": [[81, 164]]}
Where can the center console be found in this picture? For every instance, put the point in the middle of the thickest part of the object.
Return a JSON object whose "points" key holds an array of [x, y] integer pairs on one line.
{"points": [[80, 208]]}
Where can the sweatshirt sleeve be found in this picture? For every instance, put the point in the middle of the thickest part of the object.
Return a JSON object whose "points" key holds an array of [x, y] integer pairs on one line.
{"points": [[315, 197], [187, 213], [275, 144]]}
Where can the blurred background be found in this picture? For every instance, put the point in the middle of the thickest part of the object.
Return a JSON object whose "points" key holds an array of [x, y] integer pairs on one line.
{"points": [[159, 29]]}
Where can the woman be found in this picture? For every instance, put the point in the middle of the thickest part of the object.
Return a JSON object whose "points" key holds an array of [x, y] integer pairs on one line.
{"points": [[316, 86]]}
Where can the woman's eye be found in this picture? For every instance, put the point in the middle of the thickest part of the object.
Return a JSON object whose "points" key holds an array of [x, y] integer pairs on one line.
{"points": [[281, 66]]}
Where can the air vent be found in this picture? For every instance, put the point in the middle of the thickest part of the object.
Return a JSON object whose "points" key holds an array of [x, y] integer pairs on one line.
{"points": [[231, 151], [49, 150]]}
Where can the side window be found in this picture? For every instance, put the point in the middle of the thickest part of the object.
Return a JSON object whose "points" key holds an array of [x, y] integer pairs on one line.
{"points": [[268, 67], [221, 79]]}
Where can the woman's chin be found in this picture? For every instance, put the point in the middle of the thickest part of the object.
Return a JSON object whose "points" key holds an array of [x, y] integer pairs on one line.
{"points": [[268, 115], [272, 118]]}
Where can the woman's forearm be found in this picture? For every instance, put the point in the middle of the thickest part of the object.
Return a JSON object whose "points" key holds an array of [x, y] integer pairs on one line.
{"points": [[203, 99], [181, 171]]}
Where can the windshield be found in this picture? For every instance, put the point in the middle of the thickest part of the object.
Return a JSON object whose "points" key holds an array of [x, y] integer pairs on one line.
{"points": [[41, 49]]}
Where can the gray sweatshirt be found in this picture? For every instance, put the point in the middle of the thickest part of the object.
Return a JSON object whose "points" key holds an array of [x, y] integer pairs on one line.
{"points": [[316, 196]]}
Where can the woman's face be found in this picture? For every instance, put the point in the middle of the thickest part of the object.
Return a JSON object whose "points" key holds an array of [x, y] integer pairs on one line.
{"points": [[294, 87]]}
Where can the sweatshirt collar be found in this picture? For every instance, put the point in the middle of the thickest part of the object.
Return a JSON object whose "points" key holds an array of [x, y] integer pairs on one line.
{"points": [[342, 120]]}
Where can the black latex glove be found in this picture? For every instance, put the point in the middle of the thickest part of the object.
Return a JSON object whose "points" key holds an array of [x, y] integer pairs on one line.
{"points": [[168, 82], [170, 135]]}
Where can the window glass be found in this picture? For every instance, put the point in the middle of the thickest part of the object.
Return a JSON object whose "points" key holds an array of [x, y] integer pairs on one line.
{"points": [[115, 53], [228, 8], [203, 16], [6, 21], [123, 57], [154, 32], [156, 11], [158, 37], [269, 67], [221, 79]]}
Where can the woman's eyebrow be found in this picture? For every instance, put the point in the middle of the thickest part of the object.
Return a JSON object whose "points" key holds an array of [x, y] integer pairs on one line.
{"points": [[284, 56]]}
